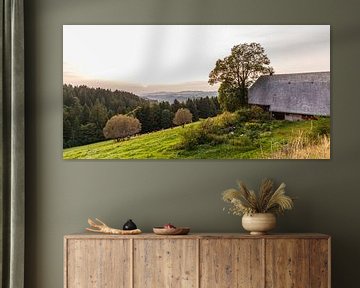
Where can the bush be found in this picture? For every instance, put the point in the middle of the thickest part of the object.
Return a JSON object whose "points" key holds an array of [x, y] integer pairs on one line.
{"points": [[209, 126], [252, 126], [208, 132], [252, 113], [226, 120], [253, 131], [220, 125], [214, 139], [320, 128], [243, 141], [257, 113], [191, 137]]}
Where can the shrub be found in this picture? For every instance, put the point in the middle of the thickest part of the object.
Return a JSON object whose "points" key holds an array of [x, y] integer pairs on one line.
{"points": [[214, 139], [243, 141], [257, 113], [191, 137], [253, 135], [208, 132], [221, 124], [320, 128], [252, 113], [252, 126], [252, 130], [226, 120], [209, 126], [267, 126]]}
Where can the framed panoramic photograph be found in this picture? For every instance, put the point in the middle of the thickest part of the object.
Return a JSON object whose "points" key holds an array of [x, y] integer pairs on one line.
{"points": [[196, 92]]}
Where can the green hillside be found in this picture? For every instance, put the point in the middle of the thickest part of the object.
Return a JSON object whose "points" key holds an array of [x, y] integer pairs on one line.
{"points": [[166, 144]]}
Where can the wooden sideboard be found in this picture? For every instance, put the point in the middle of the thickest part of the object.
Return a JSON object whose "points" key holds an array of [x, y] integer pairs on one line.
{"points": [[197, 260]]}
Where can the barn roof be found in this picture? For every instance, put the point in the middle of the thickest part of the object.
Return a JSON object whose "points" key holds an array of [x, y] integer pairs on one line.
{"points": [[300, 93]]}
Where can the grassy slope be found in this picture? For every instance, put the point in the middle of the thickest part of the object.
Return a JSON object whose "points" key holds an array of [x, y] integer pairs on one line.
{"points": [[162, 145]]}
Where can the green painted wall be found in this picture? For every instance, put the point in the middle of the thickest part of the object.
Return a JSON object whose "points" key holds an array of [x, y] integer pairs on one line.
{"points": [[62, 194]]}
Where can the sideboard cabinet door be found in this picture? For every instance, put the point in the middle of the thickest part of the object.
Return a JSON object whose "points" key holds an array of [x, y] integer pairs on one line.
{"points": [[165, 263], [320, 263], [231, 263], [297, 263], [98, 263]]}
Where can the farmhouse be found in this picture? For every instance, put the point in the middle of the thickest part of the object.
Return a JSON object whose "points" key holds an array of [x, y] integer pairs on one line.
{"points": [[293, 96]]}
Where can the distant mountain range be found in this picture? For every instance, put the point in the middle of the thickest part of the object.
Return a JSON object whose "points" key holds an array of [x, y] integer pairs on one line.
{"points": [[180, 96]]}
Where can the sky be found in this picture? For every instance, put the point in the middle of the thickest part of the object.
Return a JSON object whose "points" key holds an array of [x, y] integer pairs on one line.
{"points": [[151, 58]]}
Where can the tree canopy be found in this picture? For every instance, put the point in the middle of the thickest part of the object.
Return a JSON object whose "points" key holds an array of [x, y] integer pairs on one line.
{"points": [[182, 117], [121, 126], [240, 69]]}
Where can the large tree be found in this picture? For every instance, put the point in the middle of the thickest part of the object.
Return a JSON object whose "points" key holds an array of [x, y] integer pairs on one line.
{"points": [[121, 126], [239, 70], [182, 117]]}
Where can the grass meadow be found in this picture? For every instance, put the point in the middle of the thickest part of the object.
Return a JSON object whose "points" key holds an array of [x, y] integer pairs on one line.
{"points": [[275, 139]]}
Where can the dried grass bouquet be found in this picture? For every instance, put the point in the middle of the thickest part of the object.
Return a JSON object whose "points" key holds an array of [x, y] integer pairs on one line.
{"points": [[246, 202]]}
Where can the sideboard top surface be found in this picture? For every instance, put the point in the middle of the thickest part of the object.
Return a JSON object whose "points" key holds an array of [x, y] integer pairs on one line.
{"points": [[87, 235]]}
